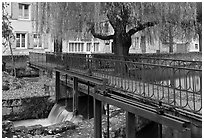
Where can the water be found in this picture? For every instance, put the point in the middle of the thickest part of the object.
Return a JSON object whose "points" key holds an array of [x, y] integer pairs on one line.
{"points": [[30, 122], [57, 114]]}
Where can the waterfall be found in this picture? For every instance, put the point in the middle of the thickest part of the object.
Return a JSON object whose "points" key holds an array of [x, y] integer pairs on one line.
{"points": [[59, 114]]}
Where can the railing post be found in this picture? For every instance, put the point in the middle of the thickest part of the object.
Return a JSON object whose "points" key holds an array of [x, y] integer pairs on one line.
{"points": [[66, 100], [97, 118], [130, 125], [88, 101], [57, 86], [108, 121], [172, 82], [75, 95]]}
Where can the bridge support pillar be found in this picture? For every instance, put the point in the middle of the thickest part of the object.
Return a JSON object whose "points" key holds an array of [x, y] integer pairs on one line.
{"points": [[159, 130], [130, 125], [97, 118], [75, 95], [196, 131], [57, 86], [156, 129]]}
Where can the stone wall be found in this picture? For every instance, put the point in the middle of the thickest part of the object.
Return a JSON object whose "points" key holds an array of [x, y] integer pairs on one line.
{"points": [[26, 108], [20, 60]]}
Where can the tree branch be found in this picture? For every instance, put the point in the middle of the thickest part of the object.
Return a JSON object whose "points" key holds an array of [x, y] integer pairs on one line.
{"points": [[112, 20], [141, 27], [100, 36]]}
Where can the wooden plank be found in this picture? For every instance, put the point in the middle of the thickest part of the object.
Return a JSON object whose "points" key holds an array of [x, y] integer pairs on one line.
{"points": [[130, 125], [97, 118]]}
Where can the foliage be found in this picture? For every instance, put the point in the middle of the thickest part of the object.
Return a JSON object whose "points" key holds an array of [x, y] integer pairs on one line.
{"points": [[170, 20], [7, 33], [7, 29], [64, 17], [34, 100]]}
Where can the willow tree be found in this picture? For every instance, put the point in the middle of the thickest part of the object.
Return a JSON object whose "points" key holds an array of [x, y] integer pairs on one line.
{"points": [[199, 23], [62, 19], [126, 19]]}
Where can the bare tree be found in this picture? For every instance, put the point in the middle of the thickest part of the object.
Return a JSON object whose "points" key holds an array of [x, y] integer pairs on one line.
{"points": [[7, 33]]}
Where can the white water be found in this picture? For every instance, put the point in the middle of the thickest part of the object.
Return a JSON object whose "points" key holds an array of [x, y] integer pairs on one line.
{"points": [[57, 114]]}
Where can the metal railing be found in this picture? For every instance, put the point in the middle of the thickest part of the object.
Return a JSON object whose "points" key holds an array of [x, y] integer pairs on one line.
{"points": [[177, 86], [142, 59], [153, 60]]}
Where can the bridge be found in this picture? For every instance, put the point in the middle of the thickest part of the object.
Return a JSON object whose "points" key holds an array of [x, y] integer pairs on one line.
{"points": [[166, 91]]}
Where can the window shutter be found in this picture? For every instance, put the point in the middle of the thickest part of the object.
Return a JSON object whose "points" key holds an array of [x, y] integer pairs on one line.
{"points": [[14, 42], [14, 10], [13, 45], [30, 40], [33, 8], [45, 41]]}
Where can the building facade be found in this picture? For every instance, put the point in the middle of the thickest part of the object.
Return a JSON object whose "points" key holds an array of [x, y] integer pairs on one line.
{"points": [[141, 44], [22, 17]]}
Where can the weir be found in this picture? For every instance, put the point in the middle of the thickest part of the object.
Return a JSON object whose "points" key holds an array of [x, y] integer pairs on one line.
{"points": [[57, 114], [63, 111]]}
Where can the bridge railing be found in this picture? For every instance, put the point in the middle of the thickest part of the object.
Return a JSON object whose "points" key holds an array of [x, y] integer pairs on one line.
{"points": [[142, 59], [175, 86], [153, 60]]}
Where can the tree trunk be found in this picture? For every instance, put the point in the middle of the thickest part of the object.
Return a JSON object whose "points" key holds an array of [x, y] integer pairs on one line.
{"points": [[171, 45], [12, 58], [121, 44], [200, 40], [171, 40], [57, 45], [199, 20]]}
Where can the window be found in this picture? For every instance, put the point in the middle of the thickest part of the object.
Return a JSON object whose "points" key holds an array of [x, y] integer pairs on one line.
{"points": [[88, 47], [75, 47], [137, 40], [96, 47], [196, 46], [70, 47], [37, 41], [79, 46], [23, 11], [106, 28], [82, 47], [20, 40]]}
